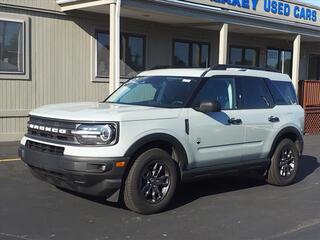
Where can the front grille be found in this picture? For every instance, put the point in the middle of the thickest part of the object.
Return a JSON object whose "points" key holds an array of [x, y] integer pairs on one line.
{"points": [[55, 130], [45, 148]]}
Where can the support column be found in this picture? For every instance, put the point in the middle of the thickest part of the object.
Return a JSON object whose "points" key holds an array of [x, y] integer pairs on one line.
{"points": [[114, 46], [223, 44], [296, 62], [117, 51]]}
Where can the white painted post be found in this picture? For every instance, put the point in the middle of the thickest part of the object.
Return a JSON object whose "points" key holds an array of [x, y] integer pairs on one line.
{"points": [[117, 46], [112, 47], [296, 62], [223, 44]]}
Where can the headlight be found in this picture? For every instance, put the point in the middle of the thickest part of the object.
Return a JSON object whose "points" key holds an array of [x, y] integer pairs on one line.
{"points": [[97, 134]]}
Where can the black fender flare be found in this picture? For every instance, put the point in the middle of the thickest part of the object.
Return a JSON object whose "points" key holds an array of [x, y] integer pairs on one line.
{"points": [[182, 154], [283, 132]]}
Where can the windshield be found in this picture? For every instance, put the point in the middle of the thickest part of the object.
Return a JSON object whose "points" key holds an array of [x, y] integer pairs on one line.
{"points": [[156, 91]]}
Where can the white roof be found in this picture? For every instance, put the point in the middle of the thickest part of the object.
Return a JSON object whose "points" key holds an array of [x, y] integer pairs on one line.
{"points": [[198, 72]]}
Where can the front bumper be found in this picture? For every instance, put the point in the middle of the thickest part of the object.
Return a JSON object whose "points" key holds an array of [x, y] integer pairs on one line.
{"points": [[91, 176]]}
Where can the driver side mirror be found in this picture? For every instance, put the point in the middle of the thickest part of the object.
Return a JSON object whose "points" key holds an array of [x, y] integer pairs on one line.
{"points": [[212, 106]]}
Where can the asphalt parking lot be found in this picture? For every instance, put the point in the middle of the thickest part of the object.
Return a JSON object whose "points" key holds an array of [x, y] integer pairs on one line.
{"points": [[241, 207]]}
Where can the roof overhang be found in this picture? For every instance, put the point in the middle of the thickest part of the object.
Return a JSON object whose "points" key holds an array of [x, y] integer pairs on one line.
{"points": [[194, 13], [68, 5]]}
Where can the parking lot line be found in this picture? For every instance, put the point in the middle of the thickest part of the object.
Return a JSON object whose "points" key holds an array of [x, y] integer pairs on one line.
{"points": [[9, 160]]}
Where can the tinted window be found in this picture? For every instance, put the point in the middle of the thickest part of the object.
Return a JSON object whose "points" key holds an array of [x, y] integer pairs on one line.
{"points": [[11, 47], [221, 89], [254, 93], [279, 60], [132, 54], [244, 56], [190, 54], [102, 54], [283, 92]]}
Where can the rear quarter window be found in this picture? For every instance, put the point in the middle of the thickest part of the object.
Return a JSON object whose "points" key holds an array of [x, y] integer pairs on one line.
{"points": [[283, 92]]}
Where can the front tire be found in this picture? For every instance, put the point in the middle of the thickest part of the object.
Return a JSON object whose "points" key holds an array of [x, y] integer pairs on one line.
{"points": [[284, 164], [151, 182]]}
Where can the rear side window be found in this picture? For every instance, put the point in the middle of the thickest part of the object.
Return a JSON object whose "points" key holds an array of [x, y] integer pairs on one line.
{"points": [[283, 92], [254, 93]]}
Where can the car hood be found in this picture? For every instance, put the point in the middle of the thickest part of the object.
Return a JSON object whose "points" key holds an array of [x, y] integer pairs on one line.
{"points": [[93, 111]]}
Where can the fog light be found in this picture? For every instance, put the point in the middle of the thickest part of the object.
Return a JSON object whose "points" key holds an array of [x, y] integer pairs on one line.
{"points": [[98, 167], [103, 168]]}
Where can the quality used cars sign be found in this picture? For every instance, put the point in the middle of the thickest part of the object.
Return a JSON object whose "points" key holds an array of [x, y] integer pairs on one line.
{"points": [[281, 9]]}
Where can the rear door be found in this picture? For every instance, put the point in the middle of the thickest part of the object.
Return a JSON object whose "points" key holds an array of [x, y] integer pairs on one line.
{"points": [[257, 107]]}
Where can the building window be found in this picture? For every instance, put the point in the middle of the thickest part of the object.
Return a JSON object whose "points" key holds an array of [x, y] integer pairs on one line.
{"points": [[244, 56], [132, 54], [11, 47], [280, 60], [191, 54]]}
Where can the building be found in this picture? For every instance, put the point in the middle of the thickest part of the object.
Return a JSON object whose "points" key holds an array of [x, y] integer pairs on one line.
{"points": [[55, 51]]}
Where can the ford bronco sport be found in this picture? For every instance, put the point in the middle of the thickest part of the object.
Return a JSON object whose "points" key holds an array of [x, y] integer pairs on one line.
{"points": [[166, 126]]}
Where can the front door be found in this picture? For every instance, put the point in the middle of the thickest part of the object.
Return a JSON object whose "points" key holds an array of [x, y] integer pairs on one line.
{"points": [[216, 137]]}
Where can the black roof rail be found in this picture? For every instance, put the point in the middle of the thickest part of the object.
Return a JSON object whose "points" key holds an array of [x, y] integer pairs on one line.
{"points": [[165, 67], [226, 66], [171, 66]]}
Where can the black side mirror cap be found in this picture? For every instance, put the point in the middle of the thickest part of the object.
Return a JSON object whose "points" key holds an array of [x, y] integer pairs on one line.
{"points": [[212, 106]]}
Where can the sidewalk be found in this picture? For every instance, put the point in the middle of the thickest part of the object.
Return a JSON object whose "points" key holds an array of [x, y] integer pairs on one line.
{"points": [[9, 150]]}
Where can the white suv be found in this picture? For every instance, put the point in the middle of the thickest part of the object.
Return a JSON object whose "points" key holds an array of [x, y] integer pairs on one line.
{"points": [[167, 126]]}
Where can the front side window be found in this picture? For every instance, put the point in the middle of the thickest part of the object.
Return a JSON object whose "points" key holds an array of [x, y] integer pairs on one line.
{"points": [[280, 60], [11, 47], [254, 93], [244, 56], [132, 54], [220, 89], [156, 91], [190, 54]]}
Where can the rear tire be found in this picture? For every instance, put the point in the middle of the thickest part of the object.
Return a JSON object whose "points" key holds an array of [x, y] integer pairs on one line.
{"points": [[284, 164], [151, 182]]}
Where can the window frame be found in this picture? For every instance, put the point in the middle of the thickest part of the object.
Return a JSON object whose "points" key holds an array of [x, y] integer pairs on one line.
{"points": [[190, 42], [243, 48], [279, 58], [94, 47], [25, 73]]}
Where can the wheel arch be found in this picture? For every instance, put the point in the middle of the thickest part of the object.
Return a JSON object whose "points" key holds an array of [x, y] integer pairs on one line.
{"points": [[163, 141], [290, 133]]}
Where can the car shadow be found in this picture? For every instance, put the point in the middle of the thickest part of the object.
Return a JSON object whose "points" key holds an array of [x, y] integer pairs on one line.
{"points": [[308, 164], [191, 191]]}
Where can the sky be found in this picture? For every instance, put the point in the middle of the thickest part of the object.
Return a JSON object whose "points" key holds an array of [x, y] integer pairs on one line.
{"points": [[314, 2]]}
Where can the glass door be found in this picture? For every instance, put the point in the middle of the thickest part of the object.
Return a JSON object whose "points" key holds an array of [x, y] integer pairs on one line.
{"points": [[314, 67]]}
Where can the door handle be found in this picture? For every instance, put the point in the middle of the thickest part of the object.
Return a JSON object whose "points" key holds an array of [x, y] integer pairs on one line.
{"points": [[274, 119], [235, 121]]}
